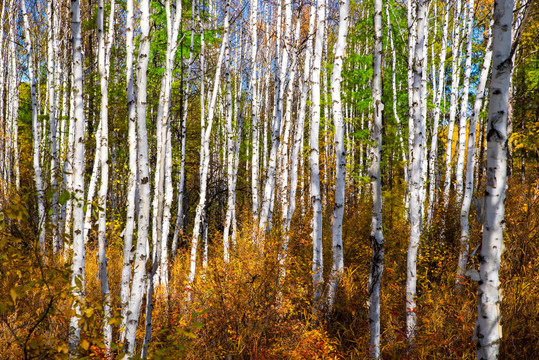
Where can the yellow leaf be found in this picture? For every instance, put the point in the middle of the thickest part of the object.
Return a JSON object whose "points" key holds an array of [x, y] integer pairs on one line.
{"points": [[84, 344], [63, 349], [13, 294]]}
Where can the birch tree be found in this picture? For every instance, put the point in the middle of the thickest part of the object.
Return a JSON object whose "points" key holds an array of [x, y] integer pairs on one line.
{"points": [[38, 172], [488, 331], [314, 156], [78, 265], [470, 162], [433, 154], [127, 256], [52, 52], [139, 272], [464, 104], [453, 102], [377, 237], [415, 177], [205, 151], [104, 48], [340, 152]]}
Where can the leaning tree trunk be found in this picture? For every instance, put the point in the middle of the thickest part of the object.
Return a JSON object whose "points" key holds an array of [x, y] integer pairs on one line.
{"points": [[470, 163], [488, 331], [205, 154], [377, 236]]}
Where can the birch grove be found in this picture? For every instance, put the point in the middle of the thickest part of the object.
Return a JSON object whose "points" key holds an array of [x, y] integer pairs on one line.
{"points": [[174, 175]]}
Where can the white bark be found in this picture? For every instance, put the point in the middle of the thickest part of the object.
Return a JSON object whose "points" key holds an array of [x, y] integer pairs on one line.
{"points": [[269, 185], [104, 47], [181, 180], [470, 162], [433, 154], [488, 328], [205, 154], [139, 277], [230, 158], [394, 95], [415, 176], [127, 257], [38, 177], [455, 71], [52, 52], [464, 104], [255, 163], [340, 152], [78, 273], [377, 236], [317, 265], [297, 148]]}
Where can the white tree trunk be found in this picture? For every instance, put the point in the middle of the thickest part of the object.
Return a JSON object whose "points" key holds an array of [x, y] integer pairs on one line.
{"points": [[139, 277], [317, 265], [269, 185], [488, 328], [433, 154], [52, 52], [340, 152], [470, 162], [377, 236], [255, 163], [38, 177], [464, 104], [127, 257], [78, 273], [205, 154], [415, 177], [104, 46], [455, 71], [181, 181]]}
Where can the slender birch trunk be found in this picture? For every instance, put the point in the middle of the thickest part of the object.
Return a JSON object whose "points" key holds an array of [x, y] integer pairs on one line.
{"points": [[181, 182], [269, 185], [297, 148], [125, 292], [104, 47], [255, 163], [78, 273], [433, 154], [464, 104], [377, 236], [205, 154], [415, 177], [38, 177], [318, 265], [230, 157], [470, 162], [340, 152], [455, 71], [488, 331], [394, 94], [140, 275], [52, 52]]}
